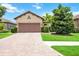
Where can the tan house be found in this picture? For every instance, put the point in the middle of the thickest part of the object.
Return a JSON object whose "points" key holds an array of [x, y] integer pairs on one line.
{"points": [[76, 21], [8, 25], [29, 22]]}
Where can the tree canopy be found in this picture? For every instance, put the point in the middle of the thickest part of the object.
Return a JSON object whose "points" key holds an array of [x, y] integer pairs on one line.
{"points": [[2, 10], [63, 20]]}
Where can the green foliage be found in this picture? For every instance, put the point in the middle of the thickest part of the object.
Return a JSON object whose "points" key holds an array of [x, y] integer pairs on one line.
{"points": [[5, 31], [1, 26], [47, 22], [47, 18], [45, 29], [76, 30], [67, 50], [63, 20], [14, 30], [58, 37], [4, 35], [2, 10]]}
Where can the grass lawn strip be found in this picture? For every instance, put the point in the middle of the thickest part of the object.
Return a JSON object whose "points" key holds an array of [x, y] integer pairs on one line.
{"points": [[3, 35], [67, 50], [54, 37]]}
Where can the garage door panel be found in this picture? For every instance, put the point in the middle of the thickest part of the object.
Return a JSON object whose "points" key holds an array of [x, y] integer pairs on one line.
{"points": [[29, 27]]}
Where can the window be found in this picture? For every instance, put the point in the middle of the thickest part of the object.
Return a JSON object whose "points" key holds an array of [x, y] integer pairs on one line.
{"points": [[28, 17]]}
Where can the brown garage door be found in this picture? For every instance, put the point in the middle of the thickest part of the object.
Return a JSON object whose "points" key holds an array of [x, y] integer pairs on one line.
{"points": [[29, 27]]}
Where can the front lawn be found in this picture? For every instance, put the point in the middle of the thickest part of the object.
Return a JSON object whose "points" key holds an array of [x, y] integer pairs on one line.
{"points": [[54, 37], [67, 50], [5, 34]]}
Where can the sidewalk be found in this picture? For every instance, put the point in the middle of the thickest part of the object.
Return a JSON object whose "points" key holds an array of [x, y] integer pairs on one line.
{"points": [[61, 43]]}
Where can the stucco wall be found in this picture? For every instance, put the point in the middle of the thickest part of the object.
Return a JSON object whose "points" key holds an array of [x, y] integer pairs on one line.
{"points": [[8, 26], [76, 23]]}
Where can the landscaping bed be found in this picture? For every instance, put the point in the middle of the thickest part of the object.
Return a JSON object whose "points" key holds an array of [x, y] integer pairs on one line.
{"points": [[55, 37], [67, 50]]}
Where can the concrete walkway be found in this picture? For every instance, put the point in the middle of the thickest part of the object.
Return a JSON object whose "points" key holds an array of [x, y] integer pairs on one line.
{"points": [[29, 44], [61, 43]]}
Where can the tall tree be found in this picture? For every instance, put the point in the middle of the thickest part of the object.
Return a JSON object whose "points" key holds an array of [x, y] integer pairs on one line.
{"points": [[47, 18], [47, 21], [63, 20], [2, 10]]}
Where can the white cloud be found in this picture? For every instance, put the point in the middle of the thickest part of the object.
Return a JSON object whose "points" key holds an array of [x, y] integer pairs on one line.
{"points": [[11, 8], [37, 6], [76, 13]]}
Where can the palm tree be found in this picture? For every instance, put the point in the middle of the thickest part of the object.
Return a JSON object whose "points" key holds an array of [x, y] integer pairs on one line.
{"points": [[47, 20]]}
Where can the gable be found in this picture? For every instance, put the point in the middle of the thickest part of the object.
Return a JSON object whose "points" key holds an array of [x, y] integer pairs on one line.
{"points": [[29, 18], [27, 13]]}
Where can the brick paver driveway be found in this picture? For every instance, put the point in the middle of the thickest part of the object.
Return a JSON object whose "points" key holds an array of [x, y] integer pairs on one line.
{"points": [[29, 44]]}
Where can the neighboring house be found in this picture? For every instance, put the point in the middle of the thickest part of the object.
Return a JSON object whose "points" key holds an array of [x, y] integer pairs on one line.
{"points": [[76, 21], [8, 25], [29, 22]]}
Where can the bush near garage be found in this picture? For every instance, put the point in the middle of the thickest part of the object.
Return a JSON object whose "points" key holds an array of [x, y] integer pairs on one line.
{"points": [[45, 29], [14, 30], [1, 27]]}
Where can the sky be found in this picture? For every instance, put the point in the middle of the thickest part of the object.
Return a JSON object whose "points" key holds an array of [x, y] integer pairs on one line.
{"points": [[15, 9]]}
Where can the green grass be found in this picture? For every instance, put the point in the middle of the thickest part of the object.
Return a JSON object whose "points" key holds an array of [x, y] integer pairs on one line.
{"points": [[5, 34], [67, 50], [54, 37]]}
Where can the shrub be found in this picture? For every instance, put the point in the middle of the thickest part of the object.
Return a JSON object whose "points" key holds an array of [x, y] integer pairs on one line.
{"points": [[45, 29], [1, 26], [5, 31], [14, 30]]}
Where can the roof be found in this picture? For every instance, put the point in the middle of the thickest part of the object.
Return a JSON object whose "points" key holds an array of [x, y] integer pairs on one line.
{"points": [[76, 16], [26, 13], [6, 21]]}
